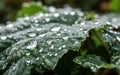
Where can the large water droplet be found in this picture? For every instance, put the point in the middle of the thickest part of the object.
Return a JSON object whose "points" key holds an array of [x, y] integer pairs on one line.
{"points": [[56, 14], [3, 37], [72, 13], [32, 34], [56, 29], [32, 45]]}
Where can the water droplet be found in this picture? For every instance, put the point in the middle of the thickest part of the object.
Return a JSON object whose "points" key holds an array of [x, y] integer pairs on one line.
{"points": [[96, 23], [38, 29], [72, 13], [82, 23], [51, 47], [56, 29], [13, 68], [55, 54], [66, 13], [56, 14], [32, 45], [28, 62], [9, 25], [118, 38], [46, 15], [37, 58], [49, 42], [63, 46], [26, 18], [47, 19], [65, 38], [27, 54], [41, 50], [42, 35], [3, 37], [32, 34], [108, 23], [52, 9]]}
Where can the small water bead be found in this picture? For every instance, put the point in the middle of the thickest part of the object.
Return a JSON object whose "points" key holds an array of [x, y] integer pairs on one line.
{"points": [[109, 23], [65, 38], [63, 46], [47, 19], [37, 58], [3, 37], [55, 29], [32, 34], [28, 61], [52, 9], [82, 23], [27, 54], [56, 14], [38, 29], [46, 15], [14, 67], [118, 38], [49, 42], [41, 50], [42, 35], [55, 54], [96, 23], [51, 47], [27, 18], [9, 25], [66, 13], [32, 45], [72, 13]]}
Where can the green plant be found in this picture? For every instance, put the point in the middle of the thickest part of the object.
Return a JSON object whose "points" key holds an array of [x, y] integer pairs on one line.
{"points": [[60, 43]]}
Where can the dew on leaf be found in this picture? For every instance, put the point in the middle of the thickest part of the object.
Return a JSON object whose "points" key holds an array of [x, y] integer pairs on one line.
{"points": [[32, 45], [3, 37], [56, 14], [41, 50], [55, 54], [49, 42], [55, 29], [32, 34], [47, 19], [66, 13], [72, 13], [118, 38], [13, 68], [42, 35], [65, 38], [9, 25], [51, 47], [38, 29], [27, 54]]}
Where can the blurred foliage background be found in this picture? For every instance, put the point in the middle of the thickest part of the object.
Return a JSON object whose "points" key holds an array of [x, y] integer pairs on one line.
{"points": [[11, 9]]}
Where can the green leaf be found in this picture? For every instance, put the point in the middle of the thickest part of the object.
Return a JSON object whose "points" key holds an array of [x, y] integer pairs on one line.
{"points": [[20, 68], [114, 6], [92, 61]]}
